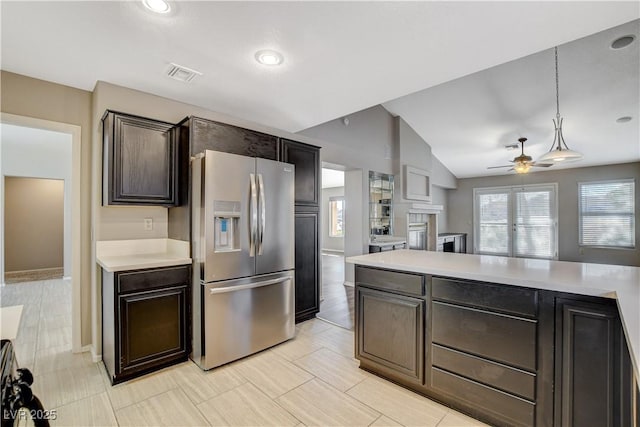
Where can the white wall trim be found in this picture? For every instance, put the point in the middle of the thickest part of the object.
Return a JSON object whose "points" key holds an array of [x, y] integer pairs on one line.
{"points": [[350, 284], [75, 132]]}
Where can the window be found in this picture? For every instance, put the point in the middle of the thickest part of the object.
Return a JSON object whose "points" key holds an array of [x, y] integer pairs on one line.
{"points": [[607, 213], [516, 221], [336, 216]]}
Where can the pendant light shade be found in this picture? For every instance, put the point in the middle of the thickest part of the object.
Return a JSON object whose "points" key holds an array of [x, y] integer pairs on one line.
{"points": [[559, 151]]}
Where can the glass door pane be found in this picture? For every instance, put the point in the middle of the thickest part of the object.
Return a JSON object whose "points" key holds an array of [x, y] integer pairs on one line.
{"points": [[493, 223], [534, 224]]}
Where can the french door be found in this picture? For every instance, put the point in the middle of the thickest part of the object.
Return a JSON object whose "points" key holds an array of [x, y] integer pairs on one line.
{"points": [[518, 221]]}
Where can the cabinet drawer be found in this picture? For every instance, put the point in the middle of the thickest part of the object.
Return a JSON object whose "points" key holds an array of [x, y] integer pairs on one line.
{"points": [[507, 299], [485, 371], [406, 283], [499, 337], [513, 410], [140, 280]]}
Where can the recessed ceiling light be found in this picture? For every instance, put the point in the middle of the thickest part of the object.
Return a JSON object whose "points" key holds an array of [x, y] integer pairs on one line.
{"points": [[624, 119], [622, 42], [269, 57], [158, 6]]}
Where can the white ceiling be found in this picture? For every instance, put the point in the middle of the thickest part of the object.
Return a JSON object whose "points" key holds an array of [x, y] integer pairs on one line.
{"points": [[340, 57], [468, 121]]}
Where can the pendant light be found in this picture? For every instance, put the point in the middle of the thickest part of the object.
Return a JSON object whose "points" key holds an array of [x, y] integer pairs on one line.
{"points": [[559, 151]]}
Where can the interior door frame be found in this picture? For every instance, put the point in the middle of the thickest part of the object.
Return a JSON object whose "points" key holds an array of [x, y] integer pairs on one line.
{"points": [[75, 132]]}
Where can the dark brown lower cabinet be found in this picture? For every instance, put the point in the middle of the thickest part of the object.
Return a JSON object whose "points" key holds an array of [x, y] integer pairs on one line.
{"points": [[390, 334], [307, 254], [594, 384], [145, 316], [506, 355]]}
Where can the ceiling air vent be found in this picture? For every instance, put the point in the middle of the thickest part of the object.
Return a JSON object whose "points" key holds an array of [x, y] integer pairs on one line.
{"points": [[181, 73]]}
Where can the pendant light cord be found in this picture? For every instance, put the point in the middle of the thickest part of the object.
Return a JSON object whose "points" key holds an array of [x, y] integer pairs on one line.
{"points": [[557, 86]]}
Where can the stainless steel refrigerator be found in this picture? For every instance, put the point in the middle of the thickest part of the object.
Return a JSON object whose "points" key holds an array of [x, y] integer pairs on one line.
{"points": [[243, 252]]}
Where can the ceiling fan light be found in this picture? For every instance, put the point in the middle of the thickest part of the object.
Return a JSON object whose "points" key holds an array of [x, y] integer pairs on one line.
{"points": [[522, 167]]}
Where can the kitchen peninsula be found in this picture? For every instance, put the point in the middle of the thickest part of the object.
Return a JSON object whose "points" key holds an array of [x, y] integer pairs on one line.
{"points": [[510, 341]]}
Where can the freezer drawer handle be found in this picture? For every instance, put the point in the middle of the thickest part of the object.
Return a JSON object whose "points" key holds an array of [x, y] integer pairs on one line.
{"points": [[253, 223], [248, 286], [263, 213]]}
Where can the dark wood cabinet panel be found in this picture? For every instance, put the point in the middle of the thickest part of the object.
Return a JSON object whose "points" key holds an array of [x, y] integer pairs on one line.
{"points": [[390, 332], [152, 328], [140, 161], [593, 374], [210, 135], [307, 256], [503, 298], [394, 281], [501, 338], [306, 159], [503, 408], [144, 320]]}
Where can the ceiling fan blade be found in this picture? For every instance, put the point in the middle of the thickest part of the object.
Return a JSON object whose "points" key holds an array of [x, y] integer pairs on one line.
{"points": [[497, 167], [541, 165]]}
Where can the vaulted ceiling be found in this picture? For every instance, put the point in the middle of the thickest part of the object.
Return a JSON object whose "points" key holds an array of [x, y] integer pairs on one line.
{"points": [[342, 57]]}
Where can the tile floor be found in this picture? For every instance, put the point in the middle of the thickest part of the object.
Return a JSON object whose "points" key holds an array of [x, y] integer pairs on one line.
{"points": [[337, 299], [311, 380]]}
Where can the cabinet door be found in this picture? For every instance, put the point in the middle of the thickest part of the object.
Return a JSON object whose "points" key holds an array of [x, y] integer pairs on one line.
{"points": [[210, 135], [152, 328], [390, 333], [306, 159], [592, 364], [307, 256], [140, 161]]}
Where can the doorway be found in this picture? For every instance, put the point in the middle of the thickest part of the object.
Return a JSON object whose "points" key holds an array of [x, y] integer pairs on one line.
{"points": [[40, 153], [336, 304], [33, 229]]}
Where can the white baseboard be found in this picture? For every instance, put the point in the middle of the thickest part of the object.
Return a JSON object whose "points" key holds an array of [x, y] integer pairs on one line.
{"points": [[350, 284], [95, 357]]}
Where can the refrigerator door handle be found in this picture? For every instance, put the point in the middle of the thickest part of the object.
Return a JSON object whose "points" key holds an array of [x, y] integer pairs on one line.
{"points": [[253, 220], [263, 213], [248, 286]]}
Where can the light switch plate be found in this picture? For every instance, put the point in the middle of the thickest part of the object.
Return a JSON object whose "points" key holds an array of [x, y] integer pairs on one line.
{"points": [[148, 224]]}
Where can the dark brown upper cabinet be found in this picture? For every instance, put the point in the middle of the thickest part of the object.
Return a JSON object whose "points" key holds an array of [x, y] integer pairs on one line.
{"points": [[140, 161], [306, 158], [202, 134]]}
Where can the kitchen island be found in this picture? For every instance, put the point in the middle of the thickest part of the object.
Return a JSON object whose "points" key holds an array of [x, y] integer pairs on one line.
{"points": [[510, 341]]}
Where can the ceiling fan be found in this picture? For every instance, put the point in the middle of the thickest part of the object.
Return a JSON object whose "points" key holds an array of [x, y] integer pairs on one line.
{"points": [[522, 163]]}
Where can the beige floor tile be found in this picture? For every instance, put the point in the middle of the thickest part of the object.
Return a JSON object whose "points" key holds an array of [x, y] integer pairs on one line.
{"points": [[171, 408], [384, 421], [317, 403], [271, 373], [49, 323], [456, 419], [246, 406], [333, 368], [300, 346], [201, 385], [59, 337], [67, 385], [337, 339], [59, 358], [404, 406], [90, 411], [139, 389], [313, 326]]}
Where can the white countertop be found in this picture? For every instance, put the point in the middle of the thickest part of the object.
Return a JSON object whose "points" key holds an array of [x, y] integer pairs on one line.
{"points": [[10, 321], [121, 255], [603, 280]]}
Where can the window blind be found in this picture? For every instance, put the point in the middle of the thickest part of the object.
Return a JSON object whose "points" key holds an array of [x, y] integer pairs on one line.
{"points": [[607, 213], [534, 224], [493, 223]]}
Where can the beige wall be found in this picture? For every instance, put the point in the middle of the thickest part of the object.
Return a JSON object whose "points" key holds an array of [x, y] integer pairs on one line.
{"points": [[460, 212], [33, 223], [25, 96]]}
